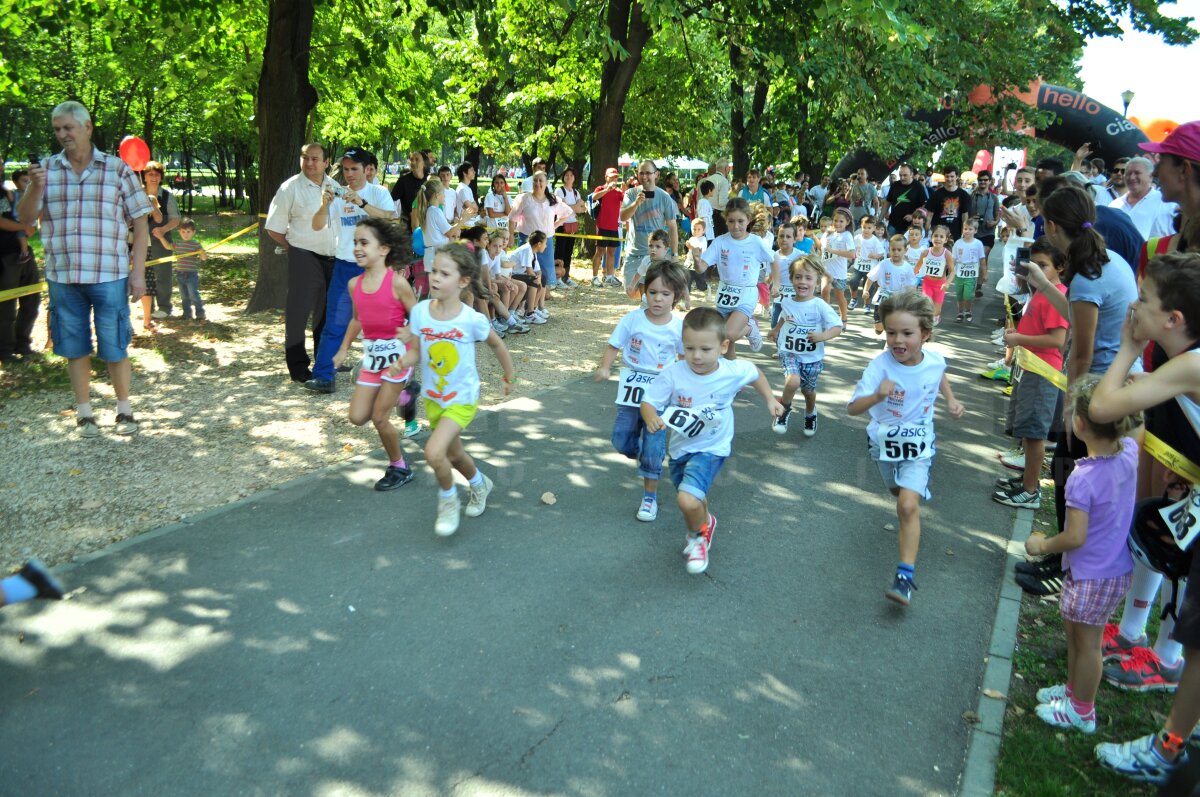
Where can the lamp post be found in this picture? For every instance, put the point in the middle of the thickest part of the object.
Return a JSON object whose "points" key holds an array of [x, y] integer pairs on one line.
{"points": [[1126, 97]]}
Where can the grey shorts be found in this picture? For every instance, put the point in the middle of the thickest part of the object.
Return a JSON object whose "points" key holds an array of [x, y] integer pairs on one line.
{"points": [[911, 474], [1031, 409]]}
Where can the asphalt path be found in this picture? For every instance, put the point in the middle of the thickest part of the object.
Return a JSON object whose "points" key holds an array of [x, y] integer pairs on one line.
{"points": [[319, 639]]}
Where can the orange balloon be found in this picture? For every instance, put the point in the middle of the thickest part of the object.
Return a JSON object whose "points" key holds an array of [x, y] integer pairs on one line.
{"points": [[134, 152]]}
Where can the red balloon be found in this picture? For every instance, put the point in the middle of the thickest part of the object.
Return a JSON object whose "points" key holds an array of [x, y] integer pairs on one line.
{"points": [[983, 160], [134, 152]]}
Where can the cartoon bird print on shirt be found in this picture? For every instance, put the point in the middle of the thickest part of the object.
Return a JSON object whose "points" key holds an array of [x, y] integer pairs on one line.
{"points": [[443, 359]]}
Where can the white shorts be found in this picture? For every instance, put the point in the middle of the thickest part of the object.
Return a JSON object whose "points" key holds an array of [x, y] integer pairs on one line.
{"points": [[745, 302]]}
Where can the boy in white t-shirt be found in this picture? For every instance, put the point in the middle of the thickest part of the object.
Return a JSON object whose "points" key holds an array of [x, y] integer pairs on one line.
{"points": [[523, 262], [968, 260], [892, 276], [648, 340], [869, 250], [696, 245], [694, 398], [704, 209]]}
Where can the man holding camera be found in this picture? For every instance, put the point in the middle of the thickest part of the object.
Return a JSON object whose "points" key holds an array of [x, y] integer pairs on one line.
{"points": [[343, 209], [309, 254], [650, 210]]}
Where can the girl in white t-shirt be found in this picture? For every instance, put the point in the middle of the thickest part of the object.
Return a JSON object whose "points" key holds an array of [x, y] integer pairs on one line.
{"points": [[838, 249], [739, 257], [496, 207], [787, 254], [694, 260], [806, 322], [441, 335], [898, 389], [913, 251], [435, 227]]}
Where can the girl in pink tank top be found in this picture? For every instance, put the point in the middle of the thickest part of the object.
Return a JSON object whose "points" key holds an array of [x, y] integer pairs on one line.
{"points": [[382, 299]]}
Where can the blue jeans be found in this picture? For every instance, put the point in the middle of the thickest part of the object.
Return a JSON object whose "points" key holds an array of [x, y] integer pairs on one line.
{"points": [[339, 309], [72, 307], [694, 473], [630, 437], [189, 293]]}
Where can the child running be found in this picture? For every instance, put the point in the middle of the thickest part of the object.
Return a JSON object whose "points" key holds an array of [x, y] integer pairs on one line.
{"points": [[1100, 503], [892, 276], [807, 322], [839, 248], [648, 340], [787, 254], [694, 398], [935, 263], [913, 251], [739, 257], [658, 248], [869, 250], [382, 300], [968, 259], [442, 334], [898, 390]]}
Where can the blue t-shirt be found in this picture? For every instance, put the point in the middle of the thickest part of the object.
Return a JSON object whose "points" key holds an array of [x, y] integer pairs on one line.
{"points": [[1112, 292], [760, 195]]}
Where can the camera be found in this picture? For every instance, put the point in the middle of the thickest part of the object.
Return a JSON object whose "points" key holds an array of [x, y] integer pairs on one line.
{"points": [[33, 159]]}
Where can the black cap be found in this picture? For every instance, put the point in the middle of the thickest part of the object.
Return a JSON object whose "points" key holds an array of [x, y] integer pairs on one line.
{"points": [[359, 155]]}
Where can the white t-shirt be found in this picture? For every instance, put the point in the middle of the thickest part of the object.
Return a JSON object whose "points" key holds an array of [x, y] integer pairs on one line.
{"points": [[739, 262], [646, 346], [837, 266], [935, 265], [1151, 215], [814, 315], [450, 203], [496, 202], [448, 372], [435, 227], [967, 257], [699, 243], [490, 264], [911, 403], [866, 248], [892, 277], [464, 196], [912, 256], [699, 409], [568, 198], [704, 211], [785, 272], [345, 216], [522, 259]]}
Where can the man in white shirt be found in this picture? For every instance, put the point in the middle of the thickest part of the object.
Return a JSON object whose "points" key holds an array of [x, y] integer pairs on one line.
{"points": [[359, 201], [1143, 203], [309, 252]]}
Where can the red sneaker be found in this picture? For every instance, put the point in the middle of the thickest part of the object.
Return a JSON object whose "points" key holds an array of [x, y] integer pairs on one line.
{"points": [[1143, 671], [1118, 647]]}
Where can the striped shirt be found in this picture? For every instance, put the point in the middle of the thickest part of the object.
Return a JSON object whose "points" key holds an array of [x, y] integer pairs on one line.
{"points": [[188, 254], [86, 219]]}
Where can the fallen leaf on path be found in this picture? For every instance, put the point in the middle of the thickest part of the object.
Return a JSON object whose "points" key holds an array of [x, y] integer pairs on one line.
{"points": [[970, 716], [549, 499], [994, 694], [347, 447], [74, 472]]}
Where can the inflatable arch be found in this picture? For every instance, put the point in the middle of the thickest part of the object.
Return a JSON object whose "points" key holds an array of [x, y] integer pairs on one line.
{"points": [[1079, 120]]}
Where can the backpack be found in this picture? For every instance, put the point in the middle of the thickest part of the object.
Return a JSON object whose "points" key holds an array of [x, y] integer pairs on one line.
{"points": [[594, 207], [1152, 544]]}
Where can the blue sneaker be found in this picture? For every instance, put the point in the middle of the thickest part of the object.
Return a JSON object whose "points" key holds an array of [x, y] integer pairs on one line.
{"points": [[901, 591], [47, 586], [1138, 760]]}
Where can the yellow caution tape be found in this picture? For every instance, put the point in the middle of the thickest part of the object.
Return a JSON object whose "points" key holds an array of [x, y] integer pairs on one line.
{"points": [[15, 293], [1031, 362], [1008, 312], [1172, 459], [588, 237]]}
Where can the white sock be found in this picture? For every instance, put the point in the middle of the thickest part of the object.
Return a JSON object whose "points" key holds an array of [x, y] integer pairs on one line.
{"points": [[1139, 600], [453, 491], [477, 479], [123, 408], [1168, 650], [83, 410]]}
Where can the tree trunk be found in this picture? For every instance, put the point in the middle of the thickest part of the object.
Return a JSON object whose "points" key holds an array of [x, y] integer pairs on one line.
{"points": [[629, 27], [285, 98]]}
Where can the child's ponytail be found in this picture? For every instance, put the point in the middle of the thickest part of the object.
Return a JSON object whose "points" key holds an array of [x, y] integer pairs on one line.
{"points": [[1081, 402], [1072, 209], [427, 197]]}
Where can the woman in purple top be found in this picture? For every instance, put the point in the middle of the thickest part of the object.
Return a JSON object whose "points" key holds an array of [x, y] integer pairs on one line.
{"points": [[1100, 502]]}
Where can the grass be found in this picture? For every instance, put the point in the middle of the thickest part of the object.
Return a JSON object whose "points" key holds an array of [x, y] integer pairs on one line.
{"points": [[1037, 760]]}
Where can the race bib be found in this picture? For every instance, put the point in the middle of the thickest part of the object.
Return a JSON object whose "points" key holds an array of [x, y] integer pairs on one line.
{"points": [[632, 387], [500, 222], [690, 422], [968, 272], [904, 441], [786, 291], [795, 339], [863, 264], [379, 354], [1183, 519], [729, 297]]}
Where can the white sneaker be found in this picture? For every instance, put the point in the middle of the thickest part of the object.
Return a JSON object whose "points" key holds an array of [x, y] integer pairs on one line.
{"points": [[447, 515], [477, 500], [995, 365], [499, 326], [1138, 760], [648, 511], [542, 313], [754, 336], [597, 282], [1013, 460], [697, 558], [533, 318], [1048, 694], [1061, 714], [613, 282]]}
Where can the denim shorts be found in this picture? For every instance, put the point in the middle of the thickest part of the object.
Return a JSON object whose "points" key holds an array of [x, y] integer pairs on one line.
{"points": [[630, 437], [73, 306], [694, 473]]}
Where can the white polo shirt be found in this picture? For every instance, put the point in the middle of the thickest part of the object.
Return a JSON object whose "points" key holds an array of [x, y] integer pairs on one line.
{"points": [[292, 211], [1151, 215]]}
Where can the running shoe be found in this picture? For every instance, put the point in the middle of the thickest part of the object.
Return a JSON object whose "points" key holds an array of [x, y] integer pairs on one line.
{"points": [[998, 374], [1138, 760], [1018, 498], [852, 305], [1050, 565], [499, 326], [47, 586], [514, 325], [394, 477], [959, 318], [1143, 671], [448, 512], [1117, 646], [477, 499], [1009, 483], [994, 364], [1048, 694], [780, 424], [1013, 460], [542, 313], [412, 428], [969, 318], [1061, 714], [810, 425], [868, 309], [532, 318], [1039, 586], [648, 511], [613, 282], [697, 558], [712, 527], [597, 282], [901, 591], [754, 336]]}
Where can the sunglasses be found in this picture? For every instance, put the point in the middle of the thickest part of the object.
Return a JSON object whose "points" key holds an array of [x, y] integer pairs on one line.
{"points": [[1118, 171]]}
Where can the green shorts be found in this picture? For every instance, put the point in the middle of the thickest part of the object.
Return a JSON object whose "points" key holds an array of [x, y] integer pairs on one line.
{"points": [[964, 288]]}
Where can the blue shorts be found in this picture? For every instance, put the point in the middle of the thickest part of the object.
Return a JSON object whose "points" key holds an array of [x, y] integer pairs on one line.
{"points": [[631, 438], [694, 473], [910, 474], [808, 372], [838, 284], [73, 306]]}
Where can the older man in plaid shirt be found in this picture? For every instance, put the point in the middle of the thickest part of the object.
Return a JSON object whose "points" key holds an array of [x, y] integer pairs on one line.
{"points": [[87, 201]]}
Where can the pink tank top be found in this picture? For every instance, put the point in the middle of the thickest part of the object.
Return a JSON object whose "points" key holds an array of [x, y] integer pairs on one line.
{"points": [[379, 312]]}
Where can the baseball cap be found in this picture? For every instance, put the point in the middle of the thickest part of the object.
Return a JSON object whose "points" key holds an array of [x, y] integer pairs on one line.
{"points": [[1183, 141], [611, 172], [358, 155]]}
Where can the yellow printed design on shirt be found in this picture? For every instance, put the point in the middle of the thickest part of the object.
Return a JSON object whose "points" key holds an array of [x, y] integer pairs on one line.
{"points": [[443, 359]]}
